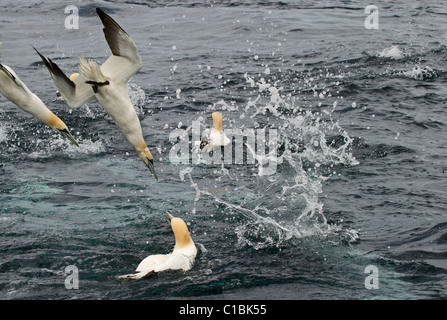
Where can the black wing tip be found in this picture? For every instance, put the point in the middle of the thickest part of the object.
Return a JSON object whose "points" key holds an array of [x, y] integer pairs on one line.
{"points": [[102, 15], [47, 62], [9, 74], [54, 69], [107, 20], [100, 12], [40, 55]]}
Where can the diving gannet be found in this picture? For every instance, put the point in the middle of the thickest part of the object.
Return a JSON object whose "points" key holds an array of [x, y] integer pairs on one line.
{"points": [[181, 258], [107, 84], [216, 138], [18, 93]]}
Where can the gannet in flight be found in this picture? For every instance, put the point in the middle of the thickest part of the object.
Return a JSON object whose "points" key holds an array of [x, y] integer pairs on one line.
{"points": [[181, 258], [216, 138], [107, 84], [18, 93]]}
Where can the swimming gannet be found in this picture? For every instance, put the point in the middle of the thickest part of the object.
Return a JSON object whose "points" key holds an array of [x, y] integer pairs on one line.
{"points": [[181, 258], [18, 93], [216, 138], [108, 84]]}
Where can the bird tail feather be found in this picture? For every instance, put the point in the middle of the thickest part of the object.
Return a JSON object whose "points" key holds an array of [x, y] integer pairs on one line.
{"points": [[127, 276], [91, 70], [136, 275]]}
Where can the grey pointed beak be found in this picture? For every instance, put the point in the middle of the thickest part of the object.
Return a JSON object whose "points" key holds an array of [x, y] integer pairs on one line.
{"points": [[150, 165], [68, 135], [169, 217]]}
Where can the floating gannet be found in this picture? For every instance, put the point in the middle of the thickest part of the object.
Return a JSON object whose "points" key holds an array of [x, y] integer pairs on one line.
{"points": [[216, 138], [18, 93], [107, 84], [181, 258]]}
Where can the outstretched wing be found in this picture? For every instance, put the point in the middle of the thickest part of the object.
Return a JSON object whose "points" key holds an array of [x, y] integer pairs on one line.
{"points": [[125, 60], [76, 92]]}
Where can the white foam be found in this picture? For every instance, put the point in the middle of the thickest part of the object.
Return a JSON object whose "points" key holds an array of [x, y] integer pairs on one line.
{"points": [[419, 73], [393, 52], [87, 147], [63, 147]]}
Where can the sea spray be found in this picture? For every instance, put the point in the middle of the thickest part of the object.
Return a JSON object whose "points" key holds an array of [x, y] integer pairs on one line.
{"points": [[60, 147], [138, 97], [3, 133], [286, 204]]}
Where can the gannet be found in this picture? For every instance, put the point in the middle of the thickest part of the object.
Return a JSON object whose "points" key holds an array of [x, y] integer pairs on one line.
{"points": [[181, 258], [216, 138], [108, 84], [18, 93]]}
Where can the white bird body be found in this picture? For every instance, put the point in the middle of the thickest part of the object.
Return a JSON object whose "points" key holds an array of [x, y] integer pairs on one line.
{"points": [[218, 138], [76, 92], [115, 100], [13, 89], [108, 84], [122, 65], [163, 262], [215, 138], [181, 258]]}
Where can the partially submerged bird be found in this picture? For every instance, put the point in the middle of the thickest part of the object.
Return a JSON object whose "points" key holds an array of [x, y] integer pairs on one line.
{"points": [[108, 84], [18, 93], [181, 258], [216, 137]]}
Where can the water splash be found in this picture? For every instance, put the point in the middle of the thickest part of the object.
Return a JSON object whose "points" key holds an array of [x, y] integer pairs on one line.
{"points": [[419, 73], [393, 52], [137, 96], [61, 147], [287, 204]]}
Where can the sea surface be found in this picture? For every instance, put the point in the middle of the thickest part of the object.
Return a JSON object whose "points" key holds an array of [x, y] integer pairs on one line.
{"points": [[335, 185]]}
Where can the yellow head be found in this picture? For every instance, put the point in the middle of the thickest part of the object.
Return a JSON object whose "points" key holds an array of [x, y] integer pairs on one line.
{"points": [[57, 124], [181, 233], [217, 120], [146, 156], [74, 76]]}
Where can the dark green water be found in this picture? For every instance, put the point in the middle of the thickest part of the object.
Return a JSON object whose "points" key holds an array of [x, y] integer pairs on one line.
{"points": [[358, 164]]}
